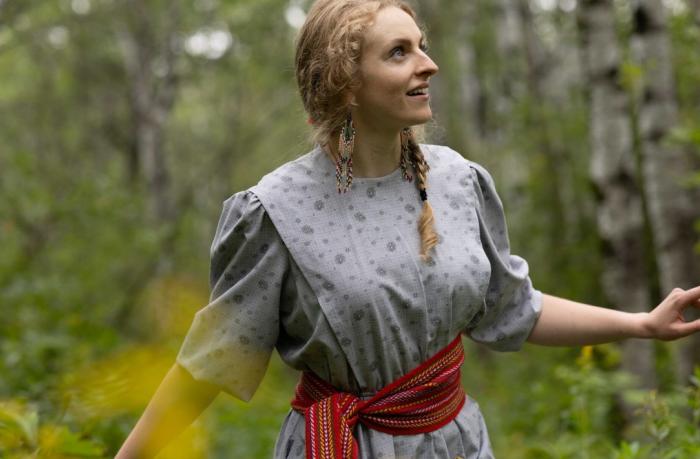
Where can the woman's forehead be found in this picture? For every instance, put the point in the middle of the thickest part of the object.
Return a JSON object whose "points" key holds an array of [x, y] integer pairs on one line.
{"points": [[392, 24]]}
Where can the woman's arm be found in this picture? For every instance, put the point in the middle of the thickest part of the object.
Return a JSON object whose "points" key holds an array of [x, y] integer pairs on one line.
{"points": [[568, 323], [177, 402]]}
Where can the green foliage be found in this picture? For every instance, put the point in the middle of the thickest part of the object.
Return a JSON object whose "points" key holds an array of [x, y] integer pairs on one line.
{"points": [[570, 407], [672, 421], [22, 436], [250, 430], [96, 294]]}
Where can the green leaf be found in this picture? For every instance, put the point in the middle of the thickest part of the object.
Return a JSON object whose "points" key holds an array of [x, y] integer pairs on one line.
{"points": [[21, 419], [60, 440]]}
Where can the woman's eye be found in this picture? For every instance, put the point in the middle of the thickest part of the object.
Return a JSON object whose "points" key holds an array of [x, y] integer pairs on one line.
{"points": [[398, 51]]}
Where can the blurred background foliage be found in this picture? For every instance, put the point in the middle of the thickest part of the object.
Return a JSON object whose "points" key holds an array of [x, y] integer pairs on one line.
{"points": [[126, 123]]}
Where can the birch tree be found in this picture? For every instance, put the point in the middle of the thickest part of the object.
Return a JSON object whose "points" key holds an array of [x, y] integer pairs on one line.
{"points": [[538, 67], [613, 172], [672, 207], [149, 59], [694, 6], [456, 89]]}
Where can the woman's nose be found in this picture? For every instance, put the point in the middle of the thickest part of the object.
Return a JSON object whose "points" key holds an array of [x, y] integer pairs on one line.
{"points": [[428, 66]]}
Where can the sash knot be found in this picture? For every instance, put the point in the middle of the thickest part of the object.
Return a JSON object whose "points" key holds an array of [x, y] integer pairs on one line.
{"points": [[423, 400]]}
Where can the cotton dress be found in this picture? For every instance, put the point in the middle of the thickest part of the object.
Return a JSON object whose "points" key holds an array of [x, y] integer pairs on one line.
{"points": [[334, 282]]}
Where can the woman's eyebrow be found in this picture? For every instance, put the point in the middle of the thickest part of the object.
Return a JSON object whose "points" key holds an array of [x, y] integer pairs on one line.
{"points": [[405, 41]]}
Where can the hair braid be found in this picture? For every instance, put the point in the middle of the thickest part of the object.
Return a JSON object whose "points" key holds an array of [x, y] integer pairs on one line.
{"points": [[426, 221], [327, 57]]}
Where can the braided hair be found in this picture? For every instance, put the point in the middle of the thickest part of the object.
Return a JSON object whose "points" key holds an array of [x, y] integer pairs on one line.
{"points": [[327, 57], [426, 221]]}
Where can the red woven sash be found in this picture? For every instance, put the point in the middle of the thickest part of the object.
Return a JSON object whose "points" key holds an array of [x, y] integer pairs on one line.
{"points": [[423, 400]]}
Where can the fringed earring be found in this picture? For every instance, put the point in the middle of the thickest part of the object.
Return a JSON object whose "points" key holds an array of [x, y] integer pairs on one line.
{"points": [[406, 134], [343, 166]]}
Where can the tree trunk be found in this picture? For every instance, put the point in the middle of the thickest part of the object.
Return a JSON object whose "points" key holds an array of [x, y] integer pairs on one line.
{"points": [[538, 68], [613, 169], [665, 166], [509, 44], [511, 85], [149, 64], [454, 91], [467, 84], [694, 6]]}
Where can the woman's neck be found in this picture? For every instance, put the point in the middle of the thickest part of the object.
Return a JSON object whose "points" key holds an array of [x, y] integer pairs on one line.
{"points": [[374, 154]]}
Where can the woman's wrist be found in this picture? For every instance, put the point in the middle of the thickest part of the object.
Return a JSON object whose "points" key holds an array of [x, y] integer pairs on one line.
{"points": [[643, 326]]}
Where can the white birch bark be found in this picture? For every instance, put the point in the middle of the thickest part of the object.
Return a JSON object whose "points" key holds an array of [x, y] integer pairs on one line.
{"points": [[468, 85], [514, 165], [149, 65], [672, 206], [613, 172]]}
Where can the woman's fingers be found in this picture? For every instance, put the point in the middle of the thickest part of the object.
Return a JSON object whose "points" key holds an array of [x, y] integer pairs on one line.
{"points": [[690, 296], [668, 321], [670, 324], [680, 299], [688, 328]]}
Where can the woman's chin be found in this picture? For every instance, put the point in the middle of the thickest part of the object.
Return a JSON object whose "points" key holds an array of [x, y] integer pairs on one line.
{"points": [[422, 119]]}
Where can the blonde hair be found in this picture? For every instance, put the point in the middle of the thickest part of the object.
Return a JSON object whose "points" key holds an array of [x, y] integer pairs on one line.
{"points": [[327, 60]]}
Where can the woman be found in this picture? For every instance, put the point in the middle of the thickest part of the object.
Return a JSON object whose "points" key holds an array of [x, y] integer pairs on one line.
{"points": [[368, 291]]}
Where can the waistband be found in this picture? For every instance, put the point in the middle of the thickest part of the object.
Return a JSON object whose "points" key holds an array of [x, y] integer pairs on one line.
{"points": [[423, 400]]}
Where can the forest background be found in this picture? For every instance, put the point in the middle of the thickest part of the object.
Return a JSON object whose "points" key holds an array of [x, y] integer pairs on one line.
{"points": [[126, 123]]}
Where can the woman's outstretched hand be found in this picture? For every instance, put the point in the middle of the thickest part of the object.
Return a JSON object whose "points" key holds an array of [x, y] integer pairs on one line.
{"points": [[666, 321], [565, 322]]}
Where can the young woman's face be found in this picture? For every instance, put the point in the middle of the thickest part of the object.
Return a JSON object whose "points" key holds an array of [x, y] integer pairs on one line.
{"points": [[393, 64]]}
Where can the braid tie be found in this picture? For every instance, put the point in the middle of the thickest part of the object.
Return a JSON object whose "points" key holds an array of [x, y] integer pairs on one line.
{"points": [[426, 221]]}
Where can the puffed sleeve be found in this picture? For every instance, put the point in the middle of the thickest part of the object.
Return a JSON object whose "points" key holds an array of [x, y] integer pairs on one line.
{"points": [[232, 338], [511, 305]]}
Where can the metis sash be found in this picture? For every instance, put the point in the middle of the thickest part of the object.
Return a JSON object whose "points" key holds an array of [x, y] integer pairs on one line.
{"points": [[423, 400]]}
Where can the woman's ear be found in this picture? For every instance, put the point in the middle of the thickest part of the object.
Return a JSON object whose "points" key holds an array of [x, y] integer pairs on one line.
{"points": [[350, 98]]}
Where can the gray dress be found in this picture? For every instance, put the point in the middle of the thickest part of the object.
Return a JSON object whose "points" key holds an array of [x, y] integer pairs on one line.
{"points": [[335, 283]]}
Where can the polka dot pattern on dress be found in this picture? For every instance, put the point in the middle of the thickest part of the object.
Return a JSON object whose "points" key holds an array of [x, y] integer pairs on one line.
{"points": [[335, 283]]}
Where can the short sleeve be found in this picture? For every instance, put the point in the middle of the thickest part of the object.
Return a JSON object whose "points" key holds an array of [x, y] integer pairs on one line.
{"points": [[231, 339], [511, 305]]}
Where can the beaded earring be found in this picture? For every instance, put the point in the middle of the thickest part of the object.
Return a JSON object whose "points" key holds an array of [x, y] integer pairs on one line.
{"points": [[343, 166], [406, 134]]}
